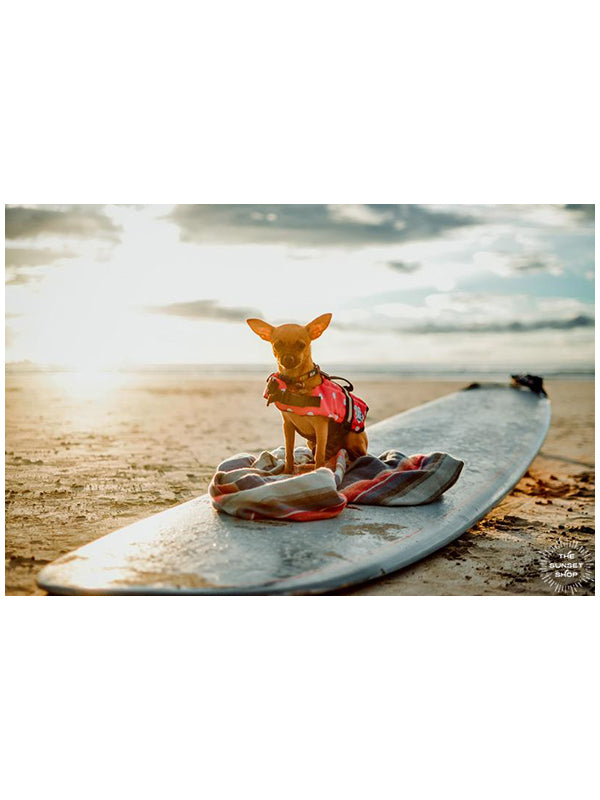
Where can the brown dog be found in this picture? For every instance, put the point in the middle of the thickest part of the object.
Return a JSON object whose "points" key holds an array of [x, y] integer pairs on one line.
{"points": [[299, 376]]}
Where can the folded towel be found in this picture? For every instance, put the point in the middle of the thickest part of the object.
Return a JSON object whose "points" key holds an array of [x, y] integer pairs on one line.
{"points": [[254, 487]]}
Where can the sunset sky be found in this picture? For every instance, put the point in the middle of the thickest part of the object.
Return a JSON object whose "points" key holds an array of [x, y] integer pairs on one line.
{"points": [[480, 285]]}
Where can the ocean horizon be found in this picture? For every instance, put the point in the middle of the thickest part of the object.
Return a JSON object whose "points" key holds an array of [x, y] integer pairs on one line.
{"points": [[373, 371]]}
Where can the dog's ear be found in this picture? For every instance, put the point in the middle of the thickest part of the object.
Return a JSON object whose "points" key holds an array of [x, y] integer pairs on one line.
{"points": [[318, 326], [261, 328]]}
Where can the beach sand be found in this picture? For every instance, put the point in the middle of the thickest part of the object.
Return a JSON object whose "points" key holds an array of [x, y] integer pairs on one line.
{"points": [[86, 454]]}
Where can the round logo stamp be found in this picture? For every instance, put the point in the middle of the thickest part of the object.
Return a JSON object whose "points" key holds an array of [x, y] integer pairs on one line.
{"points": [[566, 567]]}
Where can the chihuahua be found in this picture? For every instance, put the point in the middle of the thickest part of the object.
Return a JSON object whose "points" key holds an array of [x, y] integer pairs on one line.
{"points": [[323, 412]]}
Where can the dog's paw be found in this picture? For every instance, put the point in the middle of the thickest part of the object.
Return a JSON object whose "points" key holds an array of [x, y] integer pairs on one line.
{"points": [[302, 468]]}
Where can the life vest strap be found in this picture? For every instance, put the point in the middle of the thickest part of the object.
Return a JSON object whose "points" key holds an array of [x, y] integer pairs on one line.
{"points": [[349, 407], [292, 399]]}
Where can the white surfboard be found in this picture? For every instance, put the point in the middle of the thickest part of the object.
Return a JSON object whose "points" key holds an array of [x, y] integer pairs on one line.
{"points": [[192, 549]]}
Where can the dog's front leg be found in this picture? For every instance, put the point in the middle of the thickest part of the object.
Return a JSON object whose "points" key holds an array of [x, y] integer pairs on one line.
{"points": [[289, 433], [321, 427]]}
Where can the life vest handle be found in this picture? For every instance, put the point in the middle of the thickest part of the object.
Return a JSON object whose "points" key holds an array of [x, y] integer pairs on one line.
{"points": [[338, 378]]}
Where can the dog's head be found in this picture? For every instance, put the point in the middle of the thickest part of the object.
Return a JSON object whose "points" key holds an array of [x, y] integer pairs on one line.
{"points": [[291, 343]]}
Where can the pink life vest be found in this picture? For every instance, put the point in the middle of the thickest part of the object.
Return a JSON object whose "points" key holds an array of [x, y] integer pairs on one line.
{"points": [[329, 399]]}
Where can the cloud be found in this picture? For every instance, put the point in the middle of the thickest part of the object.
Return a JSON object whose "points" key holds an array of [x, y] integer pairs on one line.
{"points": [[540, 262], [471, 312], [406, 267], [507, 264], [314, 225], [19, 260], [461, 326], [360, 214], [588, 211], [19, 279], [206, 309], [514, 326], [82, 221], [543, 216], [33, 257]]}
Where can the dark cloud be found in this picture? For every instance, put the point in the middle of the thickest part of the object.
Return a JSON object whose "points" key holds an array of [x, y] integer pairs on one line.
{"points": [[32, 257], [587, 210], [514, 326], [530, 265], [537, 262], [508, 263], [206, 309], [83, 221], [313, 225], [406, 267]]}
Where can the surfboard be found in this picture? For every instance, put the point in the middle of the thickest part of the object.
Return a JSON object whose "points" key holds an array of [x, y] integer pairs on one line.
{"points": [[192, 549]]}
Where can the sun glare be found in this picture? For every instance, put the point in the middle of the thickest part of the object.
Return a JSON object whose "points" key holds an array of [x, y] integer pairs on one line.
{"points": [[89, 384]]}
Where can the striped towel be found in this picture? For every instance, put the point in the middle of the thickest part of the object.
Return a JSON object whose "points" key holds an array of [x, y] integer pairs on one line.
{"points": [[254, 487]]}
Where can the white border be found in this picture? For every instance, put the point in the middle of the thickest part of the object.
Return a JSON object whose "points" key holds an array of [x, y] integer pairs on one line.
{"points": [[264, 102]]}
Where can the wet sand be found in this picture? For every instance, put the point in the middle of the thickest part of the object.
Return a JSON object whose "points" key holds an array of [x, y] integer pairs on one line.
{"points": [[86, 454]]}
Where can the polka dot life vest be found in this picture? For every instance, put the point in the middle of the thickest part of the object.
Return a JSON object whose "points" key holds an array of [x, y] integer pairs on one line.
{"points": [[329, 399]]}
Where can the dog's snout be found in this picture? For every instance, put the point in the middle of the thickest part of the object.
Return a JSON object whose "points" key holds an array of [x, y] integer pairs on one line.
{"points": [[288, 361]]}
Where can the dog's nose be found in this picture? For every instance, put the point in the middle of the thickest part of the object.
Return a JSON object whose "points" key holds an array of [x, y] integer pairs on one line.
{"points": [[288, 361]]}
